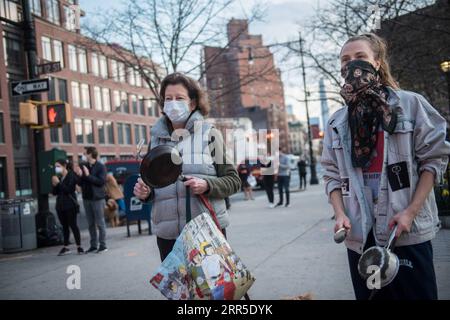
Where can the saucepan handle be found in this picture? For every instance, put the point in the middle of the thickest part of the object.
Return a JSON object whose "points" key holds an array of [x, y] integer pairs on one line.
{"points": [[392, 239]]}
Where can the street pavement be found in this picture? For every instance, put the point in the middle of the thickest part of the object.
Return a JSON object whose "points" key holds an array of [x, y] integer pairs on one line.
{"points": [[289, 250]]}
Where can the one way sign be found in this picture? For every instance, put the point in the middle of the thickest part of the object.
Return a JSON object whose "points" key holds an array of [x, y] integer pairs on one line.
{"points": [[19, 88]]}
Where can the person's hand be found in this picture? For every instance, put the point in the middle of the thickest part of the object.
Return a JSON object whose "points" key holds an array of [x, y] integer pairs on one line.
{"points": [[342, 221], [78, 171], [85, 171], [55, 181], [403, 220], [197, 185], [141, 190]]}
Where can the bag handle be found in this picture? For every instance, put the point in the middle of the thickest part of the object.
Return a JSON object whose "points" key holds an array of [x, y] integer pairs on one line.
{"points": [[205, 202]]}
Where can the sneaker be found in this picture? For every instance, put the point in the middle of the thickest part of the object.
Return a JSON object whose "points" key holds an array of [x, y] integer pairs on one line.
{"points": [[102, 249], [278, 204], [80, 250], [272, 205], [64, 251], [91, 249], [287, 205]]}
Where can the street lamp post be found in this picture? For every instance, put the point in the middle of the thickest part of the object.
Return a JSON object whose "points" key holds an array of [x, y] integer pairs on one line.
{"points": [[314, 179]]}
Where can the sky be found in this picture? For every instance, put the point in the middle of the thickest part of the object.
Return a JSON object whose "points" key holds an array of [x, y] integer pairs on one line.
{"points": [[282, 22]]}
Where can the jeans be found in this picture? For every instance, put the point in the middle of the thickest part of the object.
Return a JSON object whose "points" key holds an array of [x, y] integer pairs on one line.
{"points": [[283, 183], [96, 219], [303, 180], [68, 219], [268, 186]]}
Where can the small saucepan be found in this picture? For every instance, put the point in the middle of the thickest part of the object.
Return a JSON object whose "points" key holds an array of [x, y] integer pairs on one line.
{"points": [[383, 258]]}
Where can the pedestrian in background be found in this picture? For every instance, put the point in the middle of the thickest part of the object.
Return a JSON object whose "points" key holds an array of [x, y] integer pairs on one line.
{"points": [[67, 206], [267, 172], [284, 177], [113, 191], [301, 165], [92, 174], [244, 171], [382, 154]]}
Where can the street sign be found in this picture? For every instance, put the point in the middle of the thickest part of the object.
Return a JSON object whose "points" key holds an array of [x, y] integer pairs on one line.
{"points": [[49, 67], [19, 88]]}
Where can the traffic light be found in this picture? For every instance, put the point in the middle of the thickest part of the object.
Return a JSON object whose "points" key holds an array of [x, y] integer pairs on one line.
{"points": [[58, 114]]}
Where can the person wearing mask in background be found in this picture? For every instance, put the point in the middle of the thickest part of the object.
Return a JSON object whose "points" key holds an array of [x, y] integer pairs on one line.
{"points": [[67, 206], [302, 172], [92, 179], [284, 177], [382, 154]]}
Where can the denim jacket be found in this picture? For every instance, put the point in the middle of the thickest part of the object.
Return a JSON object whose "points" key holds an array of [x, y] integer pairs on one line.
{"points": [[417, 144]]}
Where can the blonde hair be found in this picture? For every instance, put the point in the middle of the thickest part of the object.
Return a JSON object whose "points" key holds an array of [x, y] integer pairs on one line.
{"points": [[380, 50]]}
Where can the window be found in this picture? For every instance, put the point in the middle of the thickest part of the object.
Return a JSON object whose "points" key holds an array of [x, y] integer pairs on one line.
{"points": [[2, 130], [79, 130], [134, 103], [127, 133], [11, 10], [137, 75], [88, 131], [58, 52], [124, 101], [36, 7], [105, 132], [101, 132], [116, 101], [114, 70], [54, 135], [62, 89], [76, 94], [46, 48], [120, 133], [121, 70], [106, 100], [103, 67], [52, 11], [66, 134], [131, 79], [13, 50], [70, 18], [23, 181], [141, 102], [98, 98], [73, 58], [82, 60], [94, 62], [140, 132], [152, 106], [109, 132], [85, 98]]}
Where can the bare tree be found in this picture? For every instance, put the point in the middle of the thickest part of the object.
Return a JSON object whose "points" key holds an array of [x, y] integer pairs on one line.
{"points": [[159, 37], [333, 24]]}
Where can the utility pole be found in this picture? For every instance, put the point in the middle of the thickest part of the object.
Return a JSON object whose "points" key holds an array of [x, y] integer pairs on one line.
{"points": [[314, 179], [38, 134]]}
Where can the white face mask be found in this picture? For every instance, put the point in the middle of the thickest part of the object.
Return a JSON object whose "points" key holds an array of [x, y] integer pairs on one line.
{"points": [[83, 158], [177, 111], [58, 170]]}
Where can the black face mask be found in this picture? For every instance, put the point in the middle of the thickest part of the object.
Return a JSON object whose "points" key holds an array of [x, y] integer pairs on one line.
{"points": [[366, 98]]}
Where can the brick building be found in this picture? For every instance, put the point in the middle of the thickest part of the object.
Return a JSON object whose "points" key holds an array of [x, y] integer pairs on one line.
{"points": [[112, 106], [243, 81], [419, 42]]}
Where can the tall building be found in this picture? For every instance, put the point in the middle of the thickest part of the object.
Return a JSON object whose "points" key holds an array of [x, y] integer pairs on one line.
{"points": [[243, 81], [112, 106]]}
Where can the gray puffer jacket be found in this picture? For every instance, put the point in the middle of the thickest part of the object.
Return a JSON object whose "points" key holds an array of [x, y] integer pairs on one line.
{"points": [[169, 203]]}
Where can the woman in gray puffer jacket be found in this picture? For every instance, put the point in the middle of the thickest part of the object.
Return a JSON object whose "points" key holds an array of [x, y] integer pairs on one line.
{"points": [[184, 105]]}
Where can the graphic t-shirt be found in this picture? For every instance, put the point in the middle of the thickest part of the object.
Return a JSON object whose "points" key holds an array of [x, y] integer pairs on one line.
{"points": [[372, 174]]}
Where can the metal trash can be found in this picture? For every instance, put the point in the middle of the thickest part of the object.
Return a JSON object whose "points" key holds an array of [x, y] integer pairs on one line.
{"points": [[18, 225]]}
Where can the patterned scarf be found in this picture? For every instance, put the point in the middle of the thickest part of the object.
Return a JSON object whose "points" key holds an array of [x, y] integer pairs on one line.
{"points": [[366, 99]]}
